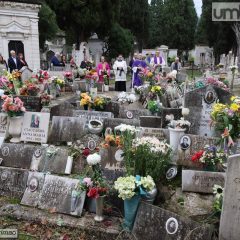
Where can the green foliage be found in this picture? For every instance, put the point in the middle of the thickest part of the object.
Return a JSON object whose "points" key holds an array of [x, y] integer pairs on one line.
{"points": [[120, 41], [153, 107], [47, 24], [134, 15], [173, 23]]}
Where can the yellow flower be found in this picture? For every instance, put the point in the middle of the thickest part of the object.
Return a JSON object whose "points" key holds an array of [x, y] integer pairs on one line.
{"points": [[233, 98], [234, 107], [150, 74]]}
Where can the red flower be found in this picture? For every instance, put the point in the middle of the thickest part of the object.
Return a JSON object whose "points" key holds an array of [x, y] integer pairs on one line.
{"points": [[199, 154], [86, 152], [194, 158], [93, 193]]}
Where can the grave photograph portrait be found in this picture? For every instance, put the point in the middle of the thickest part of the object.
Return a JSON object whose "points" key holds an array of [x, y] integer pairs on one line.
{"points": [[35, 121], [185, 142], [209, 97]]}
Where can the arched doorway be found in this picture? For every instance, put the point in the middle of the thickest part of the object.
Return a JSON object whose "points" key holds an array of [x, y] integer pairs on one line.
{"points": [[17, 46]]}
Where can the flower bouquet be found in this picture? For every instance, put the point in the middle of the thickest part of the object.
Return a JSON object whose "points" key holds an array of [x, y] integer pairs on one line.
{"points": [[210, 158], [147, 75], [97, 187], [213, 81], [177, 124], [154, 107], [85, 100], [130, 189], [45, 99], [92, 77], [99, 103], [29, 89], [13, 106], [226, 120], [124, 97], [42, 76], [157, 90], [6, 85], [68, 76]]}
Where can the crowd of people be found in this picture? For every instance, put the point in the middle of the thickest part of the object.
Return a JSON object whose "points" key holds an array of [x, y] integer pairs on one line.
{"points": [[15, 62]]}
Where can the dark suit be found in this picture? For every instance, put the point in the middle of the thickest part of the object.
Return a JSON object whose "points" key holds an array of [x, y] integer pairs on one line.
{"points": [[12, 66]]}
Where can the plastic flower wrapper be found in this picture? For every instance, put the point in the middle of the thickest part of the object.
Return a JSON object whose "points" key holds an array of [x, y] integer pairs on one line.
{"points": [[93, 159]]}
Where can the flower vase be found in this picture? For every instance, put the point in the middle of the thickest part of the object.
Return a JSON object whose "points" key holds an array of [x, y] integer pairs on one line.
{"points": [[93, 91], [75, 197], [130, 211], [15, 128], [69, 164], [99, 209], [106, 88], [175, 134], [150, 196]]}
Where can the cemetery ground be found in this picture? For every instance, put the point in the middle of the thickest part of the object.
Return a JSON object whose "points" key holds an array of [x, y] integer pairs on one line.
{"points": [[63, 145]]}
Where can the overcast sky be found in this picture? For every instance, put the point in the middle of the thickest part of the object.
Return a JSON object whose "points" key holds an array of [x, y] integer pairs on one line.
{"points": [[198, 6]]}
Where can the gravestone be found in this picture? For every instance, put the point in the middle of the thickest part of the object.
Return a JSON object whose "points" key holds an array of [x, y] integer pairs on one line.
{"points": [[43, 162], [151, 121], [113, 107], [195, 144], [4, 124], [67, 129], [12, 181], [17, 155], [200, 181], [200, 103], [34, 187], [181, 77], [155, 223], [136, 113], [114, 122], [161, 134], [31, 103], [230, 217], [112, 163], [62, 109], [35, 127], [90, 115], [57, 194]]}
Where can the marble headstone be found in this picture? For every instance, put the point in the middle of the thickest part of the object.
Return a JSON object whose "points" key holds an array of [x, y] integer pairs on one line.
{"points": [[34, 187], [4, 123], [62, 109], [12, 181], [151, 121], [31, 103], [35, 127], [201, 181], [161, 134], [195, 143], [67, 129], [153, 222], [136, 113], [114, 122], [17, 155], [200, 103], [90, 115], [58, 194], [230, 217]]}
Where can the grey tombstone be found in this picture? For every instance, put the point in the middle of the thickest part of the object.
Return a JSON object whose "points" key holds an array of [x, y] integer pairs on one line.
{"points": [[67, 129], [200, 103], [153, 222], [54, 164], [12, 181], [230, 217], [35, 127], [34, 187], [114, 122], [196, 143], [58, 194], [151, 121], [62, 109], [4, 124], [201, 181], [135, 113], [89, 115], [113, 107], [17, 155], [181, 77]]}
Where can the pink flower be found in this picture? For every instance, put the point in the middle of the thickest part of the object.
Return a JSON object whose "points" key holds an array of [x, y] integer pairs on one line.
{"points": [[88, 182], [12, 108], [23, 109]]}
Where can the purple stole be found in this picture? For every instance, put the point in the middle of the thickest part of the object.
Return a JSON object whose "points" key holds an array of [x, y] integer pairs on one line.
{"points": [[155, 59]]}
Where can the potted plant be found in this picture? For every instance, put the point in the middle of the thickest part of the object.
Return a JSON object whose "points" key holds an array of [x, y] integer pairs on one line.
{"points": [[130, 189], [15, 110], [98, 188]]}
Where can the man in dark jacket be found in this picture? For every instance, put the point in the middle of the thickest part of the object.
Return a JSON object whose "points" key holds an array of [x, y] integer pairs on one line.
{"points": [[14, 62]]}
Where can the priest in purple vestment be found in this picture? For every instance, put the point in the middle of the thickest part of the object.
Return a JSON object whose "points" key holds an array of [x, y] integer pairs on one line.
{"points": [[157, 61], [138, 64]]}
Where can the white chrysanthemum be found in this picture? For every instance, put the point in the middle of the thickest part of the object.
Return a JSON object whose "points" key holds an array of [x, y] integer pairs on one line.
{"points": [[93, 159], [124, 127], [147, 183], [125, 187]]}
